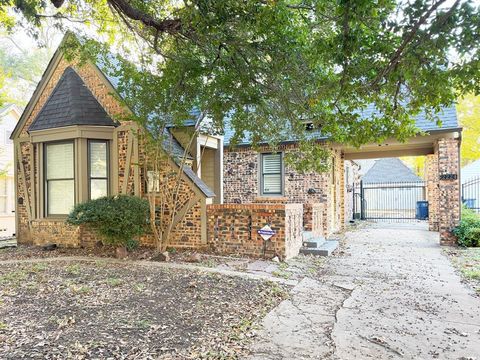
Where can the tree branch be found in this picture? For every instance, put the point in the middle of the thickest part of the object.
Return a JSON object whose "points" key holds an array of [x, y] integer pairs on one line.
{"points": [[398, 54], [171, 26]]}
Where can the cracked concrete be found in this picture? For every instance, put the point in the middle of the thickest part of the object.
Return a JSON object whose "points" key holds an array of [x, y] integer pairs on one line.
{"points": [[390, 294]]}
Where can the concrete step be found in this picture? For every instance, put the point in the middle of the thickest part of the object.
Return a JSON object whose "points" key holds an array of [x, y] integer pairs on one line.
{"points": [[326, 249], [314, 243]]}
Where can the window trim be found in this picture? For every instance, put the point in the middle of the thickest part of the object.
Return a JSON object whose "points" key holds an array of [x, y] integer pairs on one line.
{"points": [[45, 176], [281, 173], [5, 197], [89, 177]]}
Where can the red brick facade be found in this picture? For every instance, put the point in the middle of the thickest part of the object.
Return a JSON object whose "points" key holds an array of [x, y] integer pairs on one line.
{"points": [[33, 227], [233, 229], [242, 179], [443, 188]]}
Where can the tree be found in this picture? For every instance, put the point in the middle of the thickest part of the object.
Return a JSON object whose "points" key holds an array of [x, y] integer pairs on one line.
{"points": [[469, 116], [273, 65], [23, 64]]}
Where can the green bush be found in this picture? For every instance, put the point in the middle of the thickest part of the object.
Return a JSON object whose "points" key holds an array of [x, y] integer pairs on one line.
{"points": [[468, 231], [116, 219]]}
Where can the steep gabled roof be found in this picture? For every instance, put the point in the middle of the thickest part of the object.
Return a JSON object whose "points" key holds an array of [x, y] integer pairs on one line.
{"points": [[77, 113], [390, 170], [71, 103]]}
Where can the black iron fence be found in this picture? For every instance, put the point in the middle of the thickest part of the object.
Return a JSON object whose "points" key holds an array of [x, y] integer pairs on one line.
{"points": [[471, 194], [390, 201]]}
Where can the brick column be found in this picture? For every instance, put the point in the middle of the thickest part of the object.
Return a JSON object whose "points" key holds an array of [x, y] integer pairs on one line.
{"points": [[448, 189], [432, 190]]}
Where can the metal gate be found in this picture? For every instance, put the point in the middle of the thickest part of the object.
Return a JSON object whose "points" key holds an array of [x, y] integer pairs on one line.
{"points": [[388, 201], [471, 194]]}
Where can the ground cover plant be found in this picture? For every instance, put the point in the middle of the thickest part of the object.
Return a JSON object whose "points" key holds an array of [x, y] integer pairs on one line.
{"points": [[467, 262], [468, 230], [97, 309]]}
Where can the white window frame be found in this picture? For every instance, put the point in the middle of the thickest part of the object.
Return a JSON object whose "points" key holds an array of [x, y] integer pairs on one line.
{"points": [[281, 174]]}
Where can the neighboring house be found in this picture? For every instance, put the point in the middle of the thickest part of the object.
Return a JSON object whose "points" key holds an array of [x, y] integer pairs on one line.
{"points": [[9, 116], [470, 171], [470, 176], [395, 183], [69, 149], [390, 170]]}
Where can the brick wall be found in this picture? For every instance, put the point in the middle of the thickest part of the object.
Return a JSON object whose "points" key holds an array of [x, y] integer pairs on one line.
{"points": [[241, 184], [36, 230], [232, 229], [313, 218]]}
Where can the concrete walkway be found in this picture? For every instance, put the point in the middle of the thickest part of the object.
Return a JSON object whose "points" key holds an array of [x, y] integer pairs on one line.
{"points": [[390, 294]]}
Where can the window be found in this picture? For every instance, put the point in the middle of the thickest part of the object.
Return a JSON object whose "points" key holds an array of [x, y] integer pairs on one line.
{"points": [[3, 196], [153, 181], [271, 181], [97, 168], [59, 178]]}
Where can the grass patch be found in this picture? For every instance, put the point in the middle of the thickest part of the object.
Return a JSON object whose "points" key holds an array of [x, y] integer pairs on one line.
{"points": [[80, 290], [114, 282], [39, 267], [74, 269], [471, 273], [13, 277]]}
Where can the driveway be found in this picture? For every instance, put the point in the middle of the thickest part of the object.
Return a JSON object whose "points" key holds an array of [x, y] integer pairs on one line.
{"points": [[389, 294]]}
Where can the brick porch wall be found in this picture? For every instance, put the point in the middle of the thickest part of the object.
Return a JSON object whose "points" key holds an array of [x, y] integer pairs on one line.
{"points": [[313, 218], [233, 229]]}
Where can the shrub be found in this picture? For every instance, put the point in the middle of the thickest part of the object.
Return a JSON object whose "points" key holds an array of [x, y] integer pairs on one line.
{"points": [[468, 231], [116, 219]]}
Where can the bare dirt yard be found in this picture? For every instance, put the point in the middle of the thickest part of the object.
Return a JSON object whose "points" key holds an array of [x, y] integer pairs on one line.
{"points": [[60, 309]]}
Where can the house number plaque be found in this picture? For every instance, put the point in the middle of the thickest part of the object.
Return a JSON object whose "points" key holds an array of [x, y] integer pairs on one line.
{"points": [[448, 176]]}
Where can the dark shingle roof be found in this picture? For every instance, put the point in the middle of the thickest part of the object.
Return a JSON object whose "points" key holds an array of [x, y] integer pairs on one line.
{"points": [[390, 170], [71, 103], [447, 117]]}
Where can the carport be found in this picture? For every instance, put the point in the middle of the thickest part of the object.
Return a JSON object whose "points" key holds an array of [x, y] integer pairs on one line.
{"points": [[441, 146]]}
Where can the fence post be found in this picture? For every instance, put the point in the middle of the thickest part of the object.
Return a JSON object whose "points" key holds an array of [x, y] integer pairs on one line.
{"points": [[362, 201]]}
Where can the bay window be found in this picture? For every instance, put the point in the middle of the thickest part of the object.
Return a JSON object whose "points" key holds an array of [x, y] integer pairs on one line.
{"points": [[59, 177], [97, 168], [271, 174]]}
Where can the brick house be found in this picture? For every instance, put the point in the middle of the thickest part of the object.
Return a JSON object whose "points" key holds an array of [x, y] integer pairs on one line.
{"points": [[262, 176], [70, 147]]}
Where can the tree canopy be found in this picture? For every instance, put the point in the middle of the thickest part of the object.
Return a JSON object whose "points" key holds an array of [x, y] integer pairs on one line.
{"points": [[469, 117], [270, 66]]}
